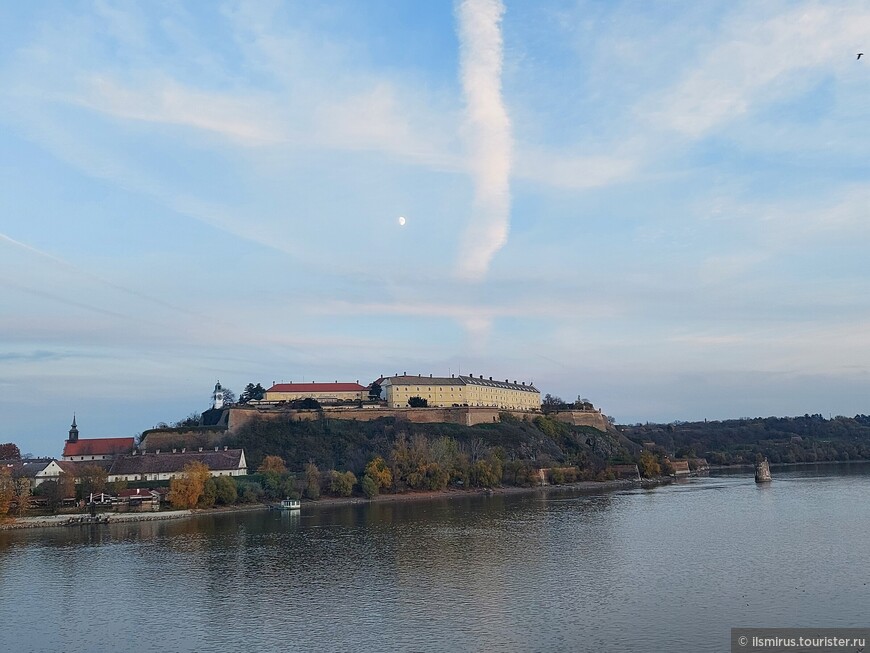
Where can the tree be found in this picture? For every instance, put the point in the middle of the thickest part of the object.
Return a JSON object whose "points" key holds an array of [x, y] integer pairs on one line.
{"points": [[93, 479], [226, 490], [341, 483], [648, 465], [378, 471], [252, 393], [185, 490], [209, 494], [309, 403], [369, 487], [22, 495], [66, 486], [484, 474], [551, 403], [312, 481], [50, 491], [229, 397], [375, 391], [272, 464], [7, 491], [10, 451], [418, 402], [191, 420], [583, 404]]}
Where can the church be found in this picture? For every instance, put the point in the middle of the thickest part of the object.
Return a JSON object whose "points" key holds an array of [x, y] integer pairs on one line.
{"points": [[87, 449]]}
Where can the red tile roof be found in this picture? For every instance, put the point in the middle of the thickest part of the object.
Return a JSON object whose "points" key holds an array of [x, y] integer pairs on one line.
{"points": [[98, 447], [317, 387]]}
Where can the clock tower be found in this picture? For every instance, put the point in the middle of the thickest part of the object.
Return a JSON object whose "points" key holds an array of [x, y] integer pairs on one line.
{"points": [[218, 396]]}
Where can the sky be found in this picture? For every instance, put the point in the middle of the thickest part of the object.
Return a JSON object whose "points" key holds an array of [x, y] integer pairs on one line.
{"points": [[661, 207]]}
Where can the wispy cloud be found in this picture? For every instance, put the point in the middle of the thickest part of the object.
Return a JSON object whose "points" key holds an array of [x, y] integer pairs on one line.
{"points": [[489, 133], [166, 101], [571, 171], [758, 60]]}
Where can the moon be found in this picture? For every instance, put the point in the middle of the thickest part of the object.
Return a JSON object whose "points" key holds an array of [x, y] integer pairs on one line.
{"points": [[401, 220]]}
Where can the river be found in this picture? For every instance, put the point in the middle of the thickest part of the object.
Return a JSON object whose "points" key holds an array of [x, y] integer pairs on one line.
{"points": [[671, 568]]}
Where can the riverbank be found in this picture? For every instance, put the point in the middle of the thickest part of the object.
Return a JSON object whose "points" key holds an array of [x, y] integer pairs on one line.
{"points": [[583, 486], [85, 519], [81, 519]]}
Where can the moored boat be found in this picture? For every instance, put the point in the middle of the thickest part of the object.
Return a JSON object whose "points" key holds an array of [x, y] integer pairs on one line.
{"points": [[288, 504]]}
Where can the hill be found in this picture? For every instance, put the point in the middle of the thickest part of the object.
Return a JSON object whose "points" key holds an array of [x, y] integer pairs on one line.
{"points": [[350, 445], [810, 438]]}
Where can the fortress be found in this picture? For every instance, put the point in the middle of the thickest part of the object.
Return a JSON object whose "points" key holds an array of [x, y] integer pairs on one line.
{"points": [[464, 400]]}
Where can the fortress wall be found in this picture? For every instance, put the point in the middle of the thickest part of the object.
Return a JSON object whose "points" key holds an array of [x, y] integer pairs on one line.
{"points": [[593, 418], [465, 416], [167, 439]]}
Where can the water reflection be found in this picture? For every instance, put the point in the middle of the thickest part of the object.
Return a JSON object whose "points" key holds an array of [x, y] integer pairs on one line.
{"points": [[673, 566]]}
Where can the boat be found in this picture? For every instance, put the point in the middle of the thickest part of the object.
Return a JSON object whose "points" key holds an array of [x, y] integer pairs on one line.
{"points": [[288, 504]]}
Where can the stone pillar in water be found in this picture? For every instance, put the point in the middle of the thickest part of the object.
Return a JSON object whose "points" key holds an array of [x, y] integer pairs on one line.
{"points": [[762, 472]]}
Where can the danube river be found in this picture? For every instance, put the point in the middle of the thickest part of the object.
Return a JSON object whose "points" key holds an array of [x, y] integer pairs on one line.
{"points": [[665, 569]]}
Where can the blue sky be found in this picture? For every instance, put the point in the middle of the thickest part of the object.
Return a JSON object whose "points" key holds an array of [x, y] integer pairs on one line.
{"points": [[662, 207]]}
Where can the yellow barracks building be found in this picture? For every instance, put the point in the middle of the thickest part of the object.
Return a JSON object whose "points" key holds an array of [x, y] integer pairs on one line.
{"points": [[460, 391]]}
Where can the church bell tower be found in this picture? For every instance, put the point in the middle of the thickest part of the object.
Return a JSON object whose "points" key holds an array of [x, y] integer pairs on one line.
{"points": [[73, 431]]}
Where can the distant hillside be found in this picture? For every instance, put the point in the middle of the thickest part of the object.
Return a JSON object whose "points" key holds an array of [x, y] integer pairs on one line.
{"points": [[350, 445], [810, 438]]}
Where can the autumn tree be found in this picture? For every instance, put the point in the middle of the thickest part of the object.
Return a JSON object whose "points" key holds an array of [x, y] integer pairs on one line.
{"points": [[66, 486], [22, 495], [186, 489], [7, 491], [380, 473], [485, 473], [273, 464], [10, 451], [649, 465]]}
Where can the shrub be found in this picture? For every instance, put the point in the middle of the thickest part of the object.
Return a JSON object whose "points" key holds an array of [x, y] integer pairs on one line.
{"points": [[369, 487]]}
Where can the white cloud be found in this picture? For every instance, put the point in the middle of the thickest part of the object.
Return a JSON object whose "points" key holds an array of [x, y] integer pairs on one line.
{"points": [[488, 131]]}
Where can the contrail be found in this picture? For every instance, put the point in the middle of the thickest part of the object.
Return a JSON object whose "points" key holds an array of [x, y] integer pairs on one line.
{"points": [[488, 131], [94, 277]]}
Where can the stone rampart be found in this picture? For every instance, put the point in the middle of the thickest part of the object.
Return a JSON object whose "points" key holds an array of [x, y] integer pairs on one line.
{"points": [[170, 438], [593, 418], [464, 415]]}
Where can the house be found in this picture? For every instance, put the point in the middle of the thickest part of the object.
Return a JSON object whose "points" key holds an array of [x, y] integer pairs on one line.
{"points": [[628, 472], [94, 448], [139, 499], [164, 466], [324, 393], [38, 470], [681, 467], [460, 391]]}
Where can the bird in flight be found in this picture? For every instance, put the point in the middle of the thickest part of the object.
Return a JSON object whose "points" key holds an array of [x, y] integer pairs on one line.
{"points": [[860, 54]]}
